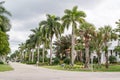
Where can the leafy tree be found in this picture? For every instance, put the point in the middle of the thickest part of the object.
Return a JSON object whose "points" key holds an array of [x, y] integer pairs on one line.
{"points": [[53, 27], [86, 30], [61, 46], [4, 21], [108, 35], [72, 18], [4, 44]]}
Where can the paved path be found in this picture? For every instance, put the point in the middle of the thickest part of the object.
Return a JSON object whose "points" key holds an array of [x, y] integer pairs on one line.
{"points": [[29, 72]]}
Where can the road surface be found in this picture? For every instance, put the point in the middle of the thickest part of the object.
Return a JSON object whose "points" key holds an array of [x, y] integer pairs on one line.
{"points": [[30, 72]]}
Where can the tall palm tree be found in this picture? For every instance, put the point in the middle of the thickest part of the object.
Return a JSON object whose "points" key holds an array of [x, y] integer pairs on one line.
{"points": [[21, 49], [53, 26], [44, 40], [108, 35], [37, 39], [72, 18], [86, 31], [4, 21], [97, 43], [118, 30]]}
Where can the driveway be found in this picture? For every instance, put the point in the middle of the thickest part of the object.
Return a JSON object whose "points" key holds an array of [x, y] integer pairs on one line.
{"points": [[30, 72]]}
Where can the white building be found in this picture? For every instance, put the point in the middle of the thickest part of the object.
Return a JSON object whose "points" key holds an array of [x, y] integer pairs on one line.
{"points": [[111, 51]]}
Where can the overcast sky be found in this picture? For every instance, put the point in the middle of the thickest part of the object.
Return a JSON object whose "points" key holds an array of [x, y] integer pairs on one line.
{"points": [[26, 14]]}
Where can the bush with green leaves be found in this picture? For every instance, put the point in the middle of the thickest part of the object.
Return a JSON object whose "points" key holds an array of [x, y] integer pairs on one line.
{"points": [[112, 59], [66, 60], [1, 62], [56, 61]]}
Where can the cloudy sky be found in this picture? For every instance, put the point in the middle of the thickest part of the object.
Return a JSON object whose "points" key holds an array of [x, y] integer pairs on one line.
{"points": [[26, 14]]}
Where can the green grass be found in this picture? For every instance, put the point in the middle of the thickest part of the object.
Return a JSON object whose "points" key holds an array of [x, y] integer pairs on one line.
{"points": [[112, 68], [4, 67]]}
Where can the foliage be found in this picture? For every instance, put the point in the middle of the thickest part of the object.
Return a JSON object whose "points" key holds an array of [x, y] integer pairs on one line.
{"points": [[1, 62], [4, 21], [95, 60], [117, 49], [56, 61], [63, 43], [112, 59], [4, 44], [67, 61]]}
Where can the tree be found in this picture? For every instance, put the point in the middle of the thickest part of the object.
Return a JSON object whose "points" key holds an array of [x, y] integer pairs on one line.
{"points": [[86, 31], [37, 39], [97, 43], [72, 18], [44, 40], [118, 30], [108, 35], [62, 45], [4, 44], [4, 21], [53, 26]]}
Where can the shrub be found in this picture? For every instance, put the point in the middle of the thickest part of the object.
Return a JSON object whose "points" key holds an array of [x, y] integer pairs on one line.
{"points": [[31, 62], [1, 62], [95, 60], [66, 60], [79, 63], [112, 59], [56, 61], [45, 59]]}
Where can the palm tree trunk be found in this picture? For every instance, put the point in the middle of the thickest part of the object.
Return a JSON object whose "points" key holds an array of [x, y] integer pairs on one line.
{"points": [[32, 56], [99, 60], [87, 53], [106, 64], [81, 59], [29, 56], [51, 51], [38, 56], [72, 45], [43, 53]]}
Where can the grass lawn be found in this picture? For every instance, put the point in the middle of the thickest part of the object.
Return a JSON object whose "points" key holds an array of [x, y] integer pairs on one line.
{"points": [[4, 67], [112, 68]]}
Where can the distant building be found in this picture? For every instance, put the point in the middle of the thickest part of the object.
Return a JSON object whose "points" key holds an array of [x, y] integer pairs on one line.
{"points": [[111, 51]]}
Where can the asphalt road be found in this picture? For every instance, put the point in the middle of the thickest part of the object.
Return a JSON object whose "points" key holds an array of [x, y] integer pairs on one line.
{"points": [[29, 72]]}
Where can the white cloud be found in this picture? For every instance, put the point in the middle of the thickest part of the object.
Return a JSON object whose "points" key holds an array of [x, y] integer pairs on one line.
{"points": [[28, 13]]}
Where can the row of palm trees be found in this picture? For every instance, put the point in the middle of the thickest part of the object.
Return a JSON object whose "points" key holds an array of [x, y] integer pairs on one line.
{"points": [[91, 39]]}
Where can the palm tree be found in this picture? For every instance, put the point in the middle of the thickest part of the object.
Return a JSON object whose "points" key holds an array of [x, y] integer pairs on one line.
{"points": [[37, 39], [52, 25], [97, 43], [62, 45], [72, 18], [86, 31], [118, 30], [4, 21], [44, 40], [108, 35], [21, 49]]}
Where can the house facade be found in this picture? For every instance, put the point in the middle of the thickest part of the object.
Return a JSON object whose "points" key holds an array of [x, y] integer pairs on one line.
{"points": [[111, 51]]}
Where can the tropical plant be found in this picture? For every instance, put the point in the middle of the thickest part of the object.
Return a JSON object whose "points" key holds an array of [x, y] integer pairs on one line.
{"points": [[118, 30], [107, 35], [72, 18], [4, 21], [61, 46], [86, 31], [53, 26]]}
